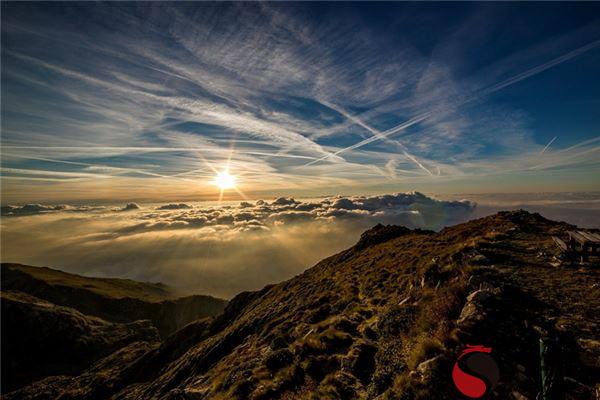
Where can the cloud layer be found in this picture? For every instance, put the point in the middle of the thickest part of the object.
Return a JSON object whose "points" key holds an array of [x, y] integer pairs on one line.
{"points": [[219, 250]]}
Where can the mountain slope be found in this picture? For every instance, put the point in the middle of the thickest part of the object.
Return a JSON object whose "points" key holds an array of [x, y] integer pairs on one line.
{"points": [[41, 339], [385, 319], [18, 274], [117, 300]]}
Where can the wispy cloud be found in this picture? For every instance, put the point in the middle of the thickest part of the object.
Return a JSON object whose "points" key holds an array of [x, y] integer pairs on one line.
{"points": [[458, 102], [157, 92]]}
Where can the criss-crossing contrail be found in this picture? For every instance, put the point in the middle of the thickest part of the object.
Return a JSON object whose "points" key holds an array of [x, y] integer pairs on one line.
{"points": [[374, 138], [478, 95], [376, 133], [548, 145]]}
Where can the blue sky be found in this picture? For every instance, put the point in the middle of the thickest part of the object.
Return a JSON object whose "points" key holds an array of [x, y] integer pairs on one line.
{"points": [[147, 101]]}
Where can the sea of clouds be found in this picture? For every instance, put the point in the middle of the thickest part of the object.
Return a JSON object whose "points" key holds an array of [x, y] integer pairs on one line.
{"points": [[212, 249]]}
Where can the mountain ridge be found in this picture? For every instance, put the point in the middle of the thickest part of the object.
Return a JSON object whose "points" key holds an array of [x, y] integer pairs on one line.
{"points": [[113, 299], [382, 320], [107, 287], [79, 319]]}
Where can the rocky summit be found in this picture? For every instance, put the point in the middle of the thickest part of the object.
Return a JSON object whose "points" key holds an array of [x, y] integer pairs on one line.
{"points": [[385, 319]]}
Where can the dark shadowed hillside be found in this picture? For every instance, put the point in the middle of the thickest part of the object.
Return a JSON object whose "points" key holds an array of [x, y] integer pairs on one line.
{"points": [[118, 300], [58, 323], [41, 339], [385, 319]]}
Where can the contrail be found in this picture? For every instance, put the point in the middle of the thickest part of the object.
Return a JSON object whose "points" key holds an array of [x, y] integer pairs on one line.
{"points": [[124, 169], [121, 169], [484, 92], [548, 145], [414, 159], [586, 142], [382, 135], [375, 132], [156, 150], [543, 67], [351, 117]]}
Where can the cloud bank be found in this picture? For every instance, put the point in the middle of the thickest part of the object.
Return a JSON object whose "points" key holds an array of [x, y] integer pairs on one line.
{"points": [[218, 250]]}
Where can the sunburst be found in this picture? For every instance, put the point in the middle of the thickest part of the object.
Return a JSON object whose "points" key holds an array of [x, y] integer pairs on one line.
{"points": [[224, 180]]}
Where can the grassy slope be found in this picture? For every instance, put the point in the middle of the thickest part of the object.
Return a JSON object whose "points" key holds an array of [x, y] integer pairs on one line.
{"points": [[386, 319], [108, 287], [117, 300]]}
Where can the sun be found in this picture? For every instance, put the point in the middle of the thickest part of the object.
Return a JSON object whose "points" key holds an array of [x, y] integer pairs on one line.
{"points": [[224, 180]]}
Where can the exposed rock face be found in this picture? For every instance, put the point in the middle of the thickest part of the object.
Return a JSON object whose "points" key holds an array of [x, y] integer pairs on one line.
{"points": [[479, 307], [386, 319], [427, 369], [41, 339]]}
